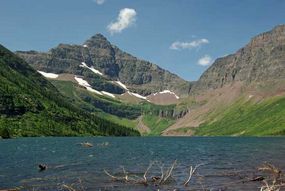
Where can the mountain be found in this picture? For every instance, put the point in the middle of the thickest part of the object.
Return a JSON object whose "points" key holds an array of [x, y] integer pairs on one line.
{"points": [[106, 64], [101, 79], [240, 94], [31, 106], [260, 61]]}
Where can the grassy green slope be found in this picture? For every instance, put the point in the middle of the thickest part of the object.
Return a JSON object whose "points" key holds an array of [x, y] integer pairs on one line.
{"points": [[76, 93], [32, 106], [118, 112], [243, 118], [157, 124]]}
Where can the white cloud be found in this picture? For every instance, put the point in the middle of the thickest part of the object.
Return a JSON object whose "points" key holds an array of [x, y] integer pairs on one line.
{"points": [[125, 19], [99, 2], [177, 45], [205, 60]]}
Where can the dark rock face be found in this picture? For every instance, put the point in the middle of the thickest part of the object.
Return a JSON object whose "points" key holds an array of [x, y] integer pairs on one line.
{"points": [[174, 114], [263, 59], [140, 76]]}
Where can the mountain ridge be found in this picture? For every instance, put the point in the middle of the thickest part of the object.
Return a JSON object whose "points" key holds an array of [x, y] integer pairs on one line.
{"points": [[235, 84], [254, 62], [234, 90], [115, 64]]}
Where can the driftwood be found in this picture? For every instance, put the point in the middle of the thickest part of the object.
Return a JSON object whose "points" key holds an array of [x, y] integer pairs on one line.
{"points": [[86, 144], [156, 180], [112, 176], [145, 174], [268, 178], [191, 172], [168, 173], [76, 186], [151, 180], [276, 180], [69, 188]]}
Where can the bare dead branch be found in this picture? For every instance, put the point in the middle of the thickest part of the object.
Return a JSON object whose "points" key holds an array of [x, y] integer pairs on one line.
{"points": [[275, 181], [69, 188], [145, 173], [191, 172], [157, 178], [126, 174], [169, 171], [113, 177]]}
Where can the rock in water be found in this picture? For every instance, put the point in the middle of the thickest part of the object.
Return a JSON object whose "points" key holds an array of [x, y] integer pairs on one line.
{"points": [[42, 167]]}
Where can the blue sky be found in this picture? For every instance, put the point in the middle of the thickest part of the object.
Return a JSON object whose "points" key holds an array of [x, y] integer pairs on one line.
{"points": [[202, 29]]}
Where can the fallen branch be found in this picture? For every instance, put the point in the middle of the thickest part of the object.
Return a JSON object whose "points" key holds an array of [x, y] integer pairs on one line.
{"points": [[69, 188], [168, 173], [145, 173], [113, 177], [157, 178], [191, 172], [126, 174], [275, 182]]}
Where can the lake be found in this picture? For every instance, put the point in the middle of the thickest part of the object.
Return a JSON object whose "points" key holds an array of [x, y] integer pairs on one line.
{"points": [[227, 162]]}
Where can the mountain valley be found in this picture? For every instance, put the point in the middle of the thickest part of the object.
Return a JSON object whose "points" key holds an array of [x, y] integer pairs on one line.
{"points": [[239, 94]]}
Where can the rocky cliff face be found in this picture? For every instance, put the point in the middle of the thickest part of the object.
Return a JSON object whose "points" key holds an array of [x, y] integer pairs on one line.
{"points": [[140, 76], [261, 60]]}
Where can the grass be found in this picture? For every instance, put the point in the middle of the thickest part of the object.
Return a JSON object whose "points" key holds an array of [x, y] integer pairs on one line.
{"points": [[247, 118], [118, 120], [70, 90], [243, 118], [157, 124], [67, 87], [113, 107]]}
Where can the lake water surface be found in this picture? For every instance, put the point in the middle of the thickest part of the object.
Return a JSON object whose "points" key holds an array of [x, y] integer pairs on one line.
{"points": [[228, 162]]}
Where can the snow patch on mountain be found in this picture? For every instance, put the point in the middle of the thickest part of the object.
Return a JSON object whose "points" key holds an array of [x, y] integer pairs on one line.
{"points": [[108, 94], [137, 95], [84, 65], [94, 91], [48, 75], [85, 84], [121, 84], [82, 82], [167, 92], [130, 93]]}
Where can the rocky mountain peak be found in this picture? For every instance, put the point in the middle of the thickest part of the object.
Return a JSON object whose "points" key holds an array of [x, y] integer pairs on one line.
{"points": [[261, 60], [98, 41], [140, 76], [273, 37]]}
